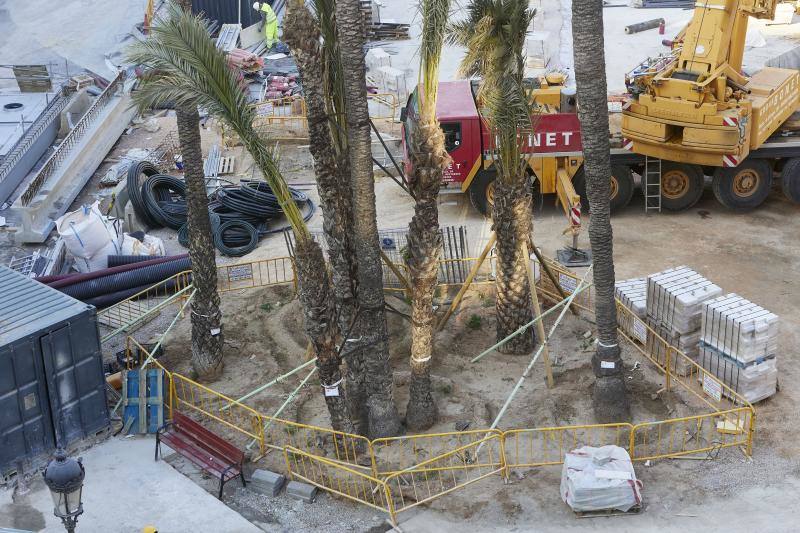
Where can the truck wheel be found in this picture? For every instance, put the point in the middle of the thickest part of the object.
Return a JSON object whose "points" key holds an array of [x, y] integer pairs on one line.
{"points": [[743, 187], [790, 178], [481, 192], [621, 187], [681, 185]]}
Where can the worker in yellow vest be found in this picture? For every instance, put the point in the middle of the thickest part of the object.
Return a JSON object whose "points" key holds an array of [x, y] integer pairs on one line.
{"points": [[269, 21]]}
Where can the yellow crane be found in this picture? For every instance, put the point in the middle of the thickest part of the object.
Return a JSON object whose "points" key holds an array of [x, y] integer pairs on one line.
{"points": [[696, 111]]}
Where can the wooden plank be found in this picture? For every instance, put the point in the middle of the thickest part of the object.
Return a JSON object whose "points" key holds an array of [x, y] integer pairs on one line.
{"points": [[537, 310], [142, 401]]}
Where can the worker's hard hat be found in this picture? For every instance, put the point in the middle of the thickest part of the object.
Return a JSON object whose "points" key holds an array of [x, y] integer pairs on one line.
{"points": [[256, 6], [149, 529]]}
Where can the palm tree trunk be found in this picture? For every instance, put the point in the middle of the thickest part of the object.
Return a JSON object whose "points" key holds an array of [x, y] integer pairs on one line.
{"points": [[322, 329], [383, 418], [302, 35], [610, 394], [512, 223], [207, 339], [424, 244]]}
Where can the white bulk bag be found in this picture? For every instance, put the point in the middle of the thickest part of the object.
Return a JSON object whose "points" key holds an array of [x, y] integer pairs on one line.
{"points": [[86, 231]]}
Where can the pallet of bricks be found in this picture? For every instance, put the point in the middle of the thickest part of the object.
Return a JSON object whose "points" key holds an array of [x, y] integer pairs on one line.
{"points": [[632, 293], [739, 344], [675, 299]]}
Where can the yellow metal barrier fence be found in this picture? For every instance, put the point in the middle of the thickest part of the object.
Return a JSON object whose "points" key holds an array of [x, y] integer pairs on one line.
{"points": [[143, 305], [548, 446], [287, 118], [443, 474], [338, 479], [195, 398], [693, 434], [396, 454], [262, 273], [354, 451]]}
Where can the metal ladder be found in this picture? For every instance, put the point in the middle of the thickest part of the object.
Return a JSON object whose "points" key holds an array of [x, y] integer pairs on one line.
{"points": [[652, 185]]}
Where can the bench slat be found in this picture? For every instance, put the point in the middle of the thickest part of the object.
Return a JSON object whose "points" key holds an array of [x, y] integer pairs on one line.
{"points": [[199, 456], [213, 442]]}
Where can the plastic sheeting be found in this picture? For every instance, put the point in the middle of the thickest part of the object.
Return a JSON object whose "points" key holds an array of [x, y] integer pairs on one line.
{"points": [[596, 479]]}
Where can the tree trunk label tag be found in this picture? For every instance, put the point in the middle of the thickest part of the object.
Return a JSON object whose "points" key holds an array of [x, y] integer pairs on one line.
{"points": [[215, 331], [607, 364], [333, 391], [639, 330], [712, 387], [568, 283], [240, 272]]}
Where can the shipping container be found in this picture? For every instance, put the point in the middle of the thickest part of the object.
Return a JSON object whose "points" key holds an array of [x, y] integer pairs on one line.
{"points": [[52, 386]]}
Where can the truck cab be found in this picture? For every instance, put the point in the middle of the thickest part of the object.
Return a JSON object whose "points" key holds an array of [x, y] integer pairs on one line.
{"points": [[554, 145]]}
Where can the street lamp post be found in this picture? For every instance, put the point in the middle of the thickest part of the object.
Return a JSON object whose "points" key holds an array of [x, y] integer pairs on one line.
{"points": [[64, 477]]}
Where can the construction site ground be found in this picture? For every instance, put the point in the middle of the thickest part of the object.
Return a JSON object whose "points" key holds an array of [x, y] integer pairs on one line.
{"points": [[753, 254], [756, 255]]}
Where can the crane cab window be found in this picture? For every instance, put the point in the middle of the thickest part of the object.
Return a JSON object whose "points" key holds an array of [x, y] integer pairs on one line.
{"points": [[452, 135]]}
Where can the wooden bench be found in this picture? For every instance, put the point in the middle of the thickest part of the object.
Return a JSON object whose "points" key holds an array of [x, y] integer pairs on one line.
{"points": [[207, 450]]}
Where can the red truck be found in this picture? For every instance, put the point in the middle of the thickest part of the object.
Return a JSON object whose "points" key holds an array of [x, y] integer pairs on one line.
{"points": [[555, 144]]}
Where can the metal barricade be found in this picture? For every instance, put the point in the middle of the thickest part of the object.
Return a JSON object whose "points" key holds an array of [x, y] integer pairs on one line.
{"points": [[338, 479], [396, 454], [693, 434], [134, 311], [443, 474], [548, 446], [340, 448], [191, 397], [263, 273]]}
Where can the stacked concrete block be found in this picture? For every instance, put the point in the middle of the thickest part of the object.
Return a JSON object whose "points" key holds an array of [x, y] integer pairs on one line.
{"points": [[754, 381], [739, 328], [739, 346], [675, 299], [632, 293]]}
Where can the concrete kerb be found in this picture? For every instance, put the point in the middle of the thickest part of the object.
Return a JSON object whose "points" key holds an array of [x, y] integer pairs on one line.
{"points": [[267, 482]]}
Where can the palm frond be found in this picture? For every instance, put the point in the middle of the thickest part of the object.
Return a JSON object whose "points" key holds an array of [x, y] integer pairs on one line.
{"points": [[493, 33], [435, 14], [187, 69]]}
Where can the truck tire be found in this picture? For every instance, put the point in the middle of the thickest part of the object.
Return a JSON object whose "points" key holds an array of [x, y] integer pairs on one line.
{"points": [[481, 192], [744, 187], [621, 187], [790, 179], [681, 185]]}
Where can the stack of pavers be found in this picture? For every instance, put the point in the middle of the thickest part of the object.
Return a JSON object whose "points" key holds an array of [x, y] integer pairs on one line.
{"points": [[632, 294], [738, 345], [675, 299]]}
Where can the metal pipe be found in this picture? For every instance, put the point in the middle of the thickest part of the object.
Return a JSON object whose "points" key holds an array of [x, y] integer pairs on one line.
{"points": [[643, 26]]}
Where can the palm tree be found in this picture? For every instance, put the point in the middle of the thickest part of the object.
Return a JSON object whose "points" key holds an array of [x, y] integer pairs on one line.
{"points": [[206, 318], [493, 33], [429, 158], [610, 394], [320, 69], [191, 71], [382, 413]]}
